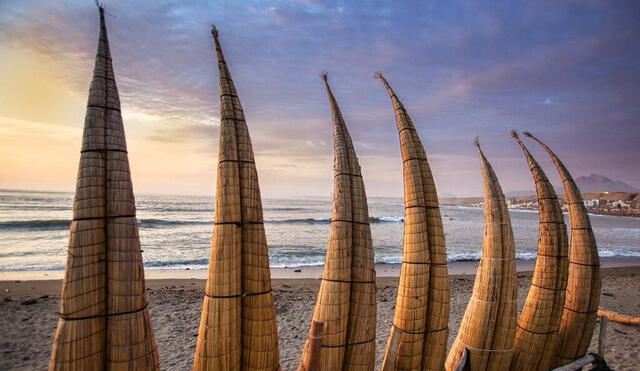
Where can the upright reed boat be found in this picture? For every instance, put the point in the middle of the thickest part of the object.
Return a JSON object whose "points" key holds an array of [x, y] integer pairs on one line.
{"points": [[104, 322], [584, 281], [487, 330], [346, 301], [238, 325], [537, 330], [418, 338]]}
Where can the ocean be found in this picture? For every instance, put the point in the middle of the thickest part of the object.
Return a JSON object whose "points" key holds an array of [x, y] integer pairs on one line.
{"points": [[175, 231]]}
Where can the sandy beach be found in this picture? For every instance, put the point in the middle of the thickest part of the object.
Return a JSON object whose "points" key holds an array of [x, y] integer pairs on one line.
{"points": [[29, 308]]}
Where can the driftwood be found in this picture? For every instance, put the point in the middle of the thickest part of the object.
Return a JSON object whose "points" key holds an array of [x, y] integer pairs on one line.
{"points": [[598, 362], [618, 317]]}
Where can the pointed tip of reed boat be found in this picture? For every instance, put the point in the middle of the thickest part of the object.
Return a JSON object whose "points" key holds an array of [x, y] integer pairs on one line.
{"points": [[476, 142], [514, 134], [324, 75], [214, 31], [527, 134], [378, 75]]}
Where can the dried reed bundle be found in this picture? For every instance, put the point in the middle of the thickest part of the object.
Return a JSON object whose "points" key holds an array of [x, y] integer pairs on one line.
{"points": [[238, 325], [104, 322], [537, 329], [347, 297], [584, 281], [618, 317], [422, 307], [487, 330]]}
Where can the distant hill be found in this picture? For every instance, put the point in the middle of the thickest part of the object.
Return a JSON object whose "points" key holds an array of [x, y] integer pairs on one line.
{"points": [[519, 193], [600, 183]]}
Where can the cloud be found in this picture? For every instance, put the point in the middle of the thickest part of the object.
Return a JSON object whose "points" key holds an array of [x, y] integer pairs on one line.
{"points": [[461, 68]]}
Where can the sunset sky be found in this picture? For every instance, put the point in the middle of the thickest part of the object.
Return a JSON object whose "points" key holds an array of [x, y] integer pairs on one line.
{"points": [[568, 71]]}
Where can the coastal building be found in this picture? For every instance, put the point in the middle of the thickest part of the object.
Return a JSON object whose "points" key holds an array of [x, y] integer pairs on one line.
{"points": [[591, 203], [621, 204]]}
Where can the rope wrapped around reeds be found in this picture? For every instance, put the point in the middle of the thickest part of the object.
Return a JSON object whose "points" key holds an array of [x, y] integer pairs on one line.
{"points": [[537, 329], [422, 306], [584, 282], [104, 322], [346, 302], [487, 330], [238, 324]]}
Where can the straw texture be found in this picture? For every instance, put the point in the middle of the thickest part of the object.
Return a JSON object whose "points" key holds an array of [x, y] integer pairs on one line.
{"points": [[346, 300], [104, 322], [487, 330], [584, 281], [537, 329], [422, 306], [238, 324]]}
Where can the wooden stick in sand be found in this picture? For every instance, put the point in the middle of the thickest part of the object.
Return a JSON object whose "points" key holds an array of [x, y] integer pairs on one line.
{"points": [[312, 363]]}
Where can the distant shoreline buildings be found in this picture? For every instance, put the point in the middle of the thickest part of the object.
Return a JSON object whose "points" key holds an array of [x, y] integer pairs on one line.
{"points": [[602, 203]]}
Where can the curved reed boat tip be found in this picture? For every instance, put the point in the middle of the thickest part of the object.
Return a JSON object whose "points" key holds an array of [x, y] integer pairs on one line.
{"points": [[487, 329], [214, 31], [378, 75], [418, 337], [346, 301], [584, 282], [324, 75], [238, 327], [537, 330], [527, 134]]}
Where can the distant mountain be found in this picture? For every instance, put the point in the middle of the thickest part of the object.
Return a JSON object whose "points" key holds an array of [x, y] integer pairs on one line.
{"points": [[600, 183], [447, 195], [519, 193]]}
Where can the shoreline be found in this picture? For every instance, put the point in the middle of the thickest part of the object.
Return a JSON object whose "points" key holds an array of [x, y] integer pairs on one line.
{"points": [[457, 268]]}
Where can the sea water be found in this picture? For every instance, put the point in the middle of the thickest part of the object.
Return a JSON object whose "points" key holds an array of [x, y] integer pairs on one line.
{"points": [[175, 231]]}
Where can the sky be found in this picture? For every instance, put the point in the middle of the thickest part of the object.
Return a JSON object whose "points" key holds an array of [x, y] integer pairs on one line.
{"points": [[568, 71]]}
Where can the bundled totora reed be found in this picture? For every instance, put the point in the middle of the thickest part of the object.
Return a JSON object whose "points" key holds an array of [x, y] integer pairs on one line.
{"points": [[238, 324], [346, 301], [422, 306], [537, 329], [104, 322], [487, 330], [584, 282]]}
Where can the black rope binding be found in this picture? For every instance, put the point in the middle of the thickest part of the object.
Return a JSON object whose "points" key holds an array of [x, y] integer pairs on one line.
{"points": [[64, 317], [238, 295]]}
